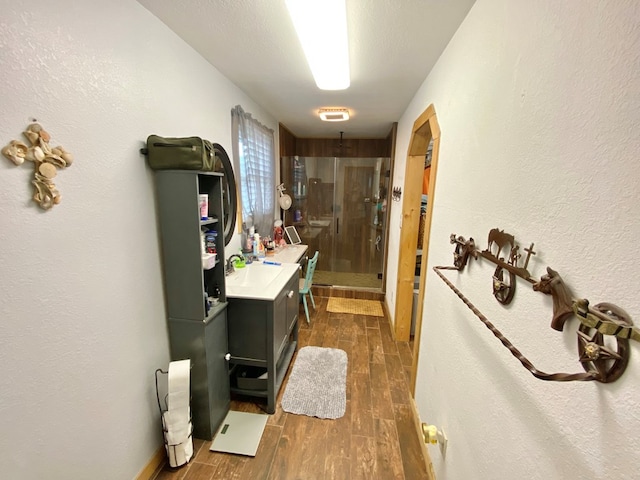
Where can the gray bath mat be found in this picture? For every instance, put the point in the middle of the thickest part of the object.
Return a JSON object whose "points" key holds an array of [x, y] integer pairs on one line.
{"points": [[317, 386]]}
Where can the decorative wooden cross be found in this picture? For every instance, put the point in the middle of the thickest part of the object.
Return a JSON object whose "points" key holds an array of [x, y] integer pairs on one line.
{"points": [[46, 160]]}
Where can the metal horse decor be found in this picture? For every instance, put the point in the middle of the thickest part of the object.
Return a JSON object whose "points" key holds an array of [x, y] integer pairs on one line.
{"points": [[600, 362]]}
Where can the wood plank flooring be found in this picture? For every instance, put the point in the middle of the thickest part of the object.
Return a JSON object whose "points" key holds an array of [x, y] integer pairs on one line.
{"points": [[376, 438]]}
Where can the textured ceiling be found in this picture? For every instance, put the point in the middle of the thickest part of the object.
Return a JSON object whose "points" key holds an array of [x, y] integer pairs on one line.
{"points": [[393, 44]]}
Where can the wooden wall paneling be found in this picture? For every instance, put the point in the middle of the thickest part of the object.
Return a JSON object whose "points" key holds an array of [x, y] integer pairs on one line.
{"points": [[348, 148], [287, 141], [334, 147]]}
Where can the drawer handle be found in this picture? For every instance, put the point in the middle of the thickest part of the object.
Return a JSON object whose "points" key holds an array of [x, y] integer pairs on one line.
{"points": [[227, 357], [290, 294]]}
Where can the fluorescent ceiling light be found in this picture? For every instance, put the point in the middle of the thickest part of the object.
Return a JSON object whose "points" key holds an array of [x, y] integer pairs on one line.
{"points": [[334, 114], [322, 29]]}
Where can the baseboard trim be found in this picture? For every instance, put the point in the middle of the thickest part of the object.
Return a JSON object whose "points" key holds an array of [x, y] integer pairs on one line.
{"points": [[347, 292], [387, 314], [425, 452], [153, 465]]}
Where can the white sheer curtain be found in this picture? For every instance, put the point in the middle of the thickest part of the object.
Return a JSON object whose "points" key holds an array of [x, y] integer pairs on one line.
{"points": [[254, 162]]}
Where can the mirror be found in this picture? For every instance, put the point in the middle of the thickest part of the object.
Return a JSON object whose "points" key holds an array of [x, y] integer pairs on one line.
{"points": [[292, 235], [229, 192]]}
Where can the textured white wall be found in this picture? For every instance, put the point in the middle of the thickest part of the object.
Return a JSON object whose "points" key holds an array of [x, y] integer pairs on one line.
{"points": [[83, 321], [539, 105]]}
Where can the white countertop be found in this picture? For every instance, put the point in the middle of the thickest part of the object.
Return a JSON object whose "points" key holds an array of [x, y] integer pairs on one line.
{"points": [[258, 281], [288, 254]]}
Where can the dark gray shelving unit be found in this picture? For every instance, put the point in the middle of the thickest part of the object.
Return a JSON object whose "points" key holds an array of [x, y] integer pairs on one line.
{"points": [[263, 336], [195, 331]]}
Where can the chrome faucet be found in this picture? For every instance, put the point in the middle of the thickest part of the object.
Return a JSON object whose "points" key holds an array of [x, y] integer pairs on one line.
{"points": [[230, 261]]}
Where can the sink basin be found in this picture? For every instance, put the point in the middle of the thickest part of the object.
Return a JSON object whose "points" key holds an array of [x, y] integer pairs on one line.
{"points": [[254, 275], [260, 282], [319, 223]]}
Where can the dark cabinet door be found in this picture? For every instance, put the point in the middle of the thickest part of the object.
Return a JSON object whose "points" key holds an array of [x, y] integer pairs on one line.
{"points": [[280, 332], [293, 302], [249, 322], [206, 346], [215, 338]]}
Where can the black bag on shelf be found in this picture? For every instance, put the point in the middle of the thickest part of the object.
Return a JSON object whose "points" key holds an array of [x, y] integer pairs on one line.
{"points": [[187, 153]]}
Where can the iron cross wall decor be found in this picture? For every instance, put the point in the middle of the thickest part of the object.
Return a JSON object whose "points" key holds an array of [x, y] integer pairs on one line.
{"points": [[597, 323]]}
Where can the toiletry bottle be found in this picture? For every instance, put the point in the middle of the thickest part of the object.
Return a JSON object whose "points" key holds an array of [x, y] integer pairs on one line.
{"points": [[215, 296], [256, 244], [207, 304], [250, 234]]}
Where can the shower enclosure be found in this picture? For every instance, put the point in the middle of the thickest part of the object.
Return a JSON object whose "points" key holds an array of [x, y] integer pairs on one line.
{"points": [[339, 208]]}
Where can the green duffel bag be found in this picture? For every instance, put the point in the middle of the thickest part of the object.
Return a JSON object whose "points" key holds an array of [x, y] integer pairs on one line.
{"points": [[188, 153]]}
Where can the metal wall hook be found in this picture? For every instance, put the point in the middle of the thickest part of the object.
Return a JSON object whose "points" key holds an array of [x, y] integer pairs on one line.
{"points": [[600, 362]]}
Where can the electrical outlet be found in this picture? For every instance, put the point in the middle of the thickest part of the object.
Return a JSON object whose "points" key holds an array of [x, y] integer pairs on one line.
{"points": [[433, 435], [442, 442]]}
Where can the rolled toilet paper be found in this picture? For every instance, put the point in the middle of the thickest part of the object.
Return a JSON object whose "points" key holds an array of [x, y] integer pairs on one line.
{"points": [[176, 417], [178, 400], [176, 428], [179, 386], [188, 448], [171, 453], [181, 453]]}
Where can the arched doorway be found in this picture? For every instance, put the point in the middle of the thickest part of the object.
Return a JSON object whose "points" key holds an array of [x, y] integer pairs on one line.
{"points": [[426, 132]]}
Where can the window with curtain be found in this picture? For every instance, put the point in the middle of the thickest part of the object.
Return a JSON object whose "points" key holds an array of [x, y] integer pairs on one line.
{"points": [[254, 162]]}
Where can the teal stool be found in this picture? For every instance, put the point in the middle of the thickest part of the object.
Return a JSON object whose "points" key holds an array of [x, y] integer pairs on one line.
{"points": [[305, 284]]}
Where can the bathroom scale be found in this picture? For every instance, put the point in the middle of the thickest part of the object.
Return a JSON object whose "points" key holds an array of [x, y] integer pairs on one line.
{"points": [[240, 433]]}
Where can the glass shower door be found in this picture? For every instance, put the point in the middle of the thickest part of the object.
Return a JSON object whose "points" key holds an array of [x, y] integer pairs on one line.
{"points": [[313, 211], [339, 209]]}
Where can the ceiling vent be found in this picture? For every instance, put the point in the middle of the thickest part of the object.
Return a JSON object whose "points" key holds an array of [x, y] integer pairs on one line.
{"points": [[334, 114]]}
